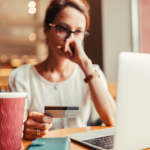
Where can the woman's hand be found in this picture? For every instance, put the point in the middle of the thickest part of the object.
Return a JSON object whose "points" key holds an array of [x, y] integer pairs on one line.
{"points": [[37, 121], [78, 54]]}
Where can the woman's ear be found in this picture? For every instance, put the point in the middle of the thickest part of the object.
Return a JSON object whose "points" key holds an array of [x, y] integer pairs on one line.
{"points": [[44, 28], [46, 32]]}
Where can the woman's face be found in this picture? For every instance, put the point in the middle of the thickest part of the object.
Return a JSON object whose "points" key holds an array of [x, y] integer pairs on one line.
{"points": [[69, 18]]}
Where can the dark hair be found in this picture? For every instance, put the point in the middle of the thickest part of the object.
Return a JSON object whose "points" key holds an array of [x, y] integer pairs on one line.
{"points": [[56, 6]]}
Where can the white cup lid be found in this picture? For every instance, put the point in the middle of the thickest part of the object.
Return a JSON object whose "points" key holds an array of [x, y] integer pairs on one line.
{"points": [[13, 94]]}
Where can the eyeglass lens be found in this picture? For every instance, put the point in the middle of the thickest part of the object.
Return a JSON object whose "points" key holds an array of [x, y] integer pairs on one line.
{"points": [[64, 32]]}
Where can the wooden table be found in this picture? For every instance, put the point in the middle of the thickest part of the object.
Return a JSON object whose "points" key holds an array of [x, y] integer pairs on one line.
{"points": [[63, 132]]}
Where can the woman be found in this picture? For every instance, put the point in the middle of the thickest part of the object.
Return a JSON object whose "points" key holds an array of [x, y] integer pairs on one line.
{"points": [[59, 80]]}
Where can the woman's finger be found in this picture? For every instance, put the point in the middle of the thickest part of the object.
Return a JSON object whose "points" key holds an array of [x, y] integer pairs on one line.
{"points": [[31, 131], [40, 117], [70, 51], [67, 47], [32, 137], [39, 125], [66, 54]]}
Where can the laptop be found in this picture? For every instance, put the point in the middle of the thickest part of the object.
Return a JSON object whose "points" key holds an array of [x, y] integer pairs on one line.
{"points": [[132, 129]]}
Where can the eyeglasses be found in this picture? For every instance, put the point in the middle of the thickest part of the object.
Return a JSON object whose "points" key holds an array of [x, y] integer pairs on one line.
{"points": [[64, 32]]}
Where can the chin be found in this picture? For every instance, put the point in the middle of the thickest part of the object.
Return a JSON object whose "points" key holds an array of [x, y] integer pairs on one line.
{"points": [[61, 55]]}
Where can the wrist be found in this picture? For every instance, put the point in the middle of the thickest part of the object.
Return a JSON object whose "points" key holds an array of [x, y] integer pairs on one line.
{"points": [[86, 66]]}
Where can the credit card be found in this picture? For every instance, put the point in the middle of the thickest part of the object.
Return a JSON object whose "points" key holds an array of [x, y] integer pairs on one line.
{"points": [[61, 111]]}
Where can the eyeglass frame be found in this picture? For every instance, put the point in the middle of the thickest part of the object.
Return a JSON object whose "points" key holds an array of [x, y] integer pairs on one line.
{"points": [[70, 31]]}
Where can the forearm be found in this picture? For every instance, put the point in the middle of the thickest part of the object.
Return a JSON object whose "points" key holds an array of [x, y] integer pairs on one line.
{"points": [[102, 99]]}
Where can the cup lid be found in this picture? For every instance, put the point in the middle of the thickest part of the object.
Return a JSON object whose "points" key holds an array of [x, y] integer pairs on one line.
{"points": [[12, 94]]}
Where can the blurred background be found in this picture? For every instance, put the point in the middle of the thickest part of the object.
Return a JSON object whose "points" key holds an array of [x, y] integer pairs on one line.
{"points": [[21, 35], [115, 26]]}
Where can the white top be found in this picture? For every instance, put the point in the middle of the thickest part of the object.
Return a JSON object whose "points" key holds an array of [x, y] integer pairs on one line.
{"points": [[40, 93]]}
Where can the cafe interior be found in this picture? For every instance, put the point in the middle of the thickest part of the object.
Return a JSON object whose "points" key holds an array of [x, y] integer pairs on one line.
{"points": [[115, 26]]}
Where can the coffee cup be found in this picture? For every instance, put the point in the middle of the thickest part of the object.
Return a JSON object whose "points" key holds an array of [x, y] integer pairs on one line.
{"points": [[11, 119]]}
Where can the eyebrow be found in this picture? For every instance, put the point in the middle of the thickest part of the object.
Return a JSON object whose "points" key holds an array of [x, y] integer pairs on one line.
{"points": [[69, 26]]}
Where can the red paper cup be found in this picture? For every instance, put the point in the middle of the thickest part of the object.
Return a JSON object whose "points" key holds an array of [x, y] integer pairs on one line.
{"points": [[11, 120]]}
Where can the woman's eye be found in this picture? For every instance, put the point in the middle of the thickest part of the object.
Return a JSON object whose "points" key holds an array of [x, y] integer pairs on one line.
{"points": [[62, 29], [78, 32]]}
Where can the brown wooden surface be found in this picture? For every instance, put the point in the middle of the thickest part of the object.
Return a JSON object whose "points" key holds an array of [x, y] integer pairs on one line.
{"points": [[63, 132], [112, 88]]}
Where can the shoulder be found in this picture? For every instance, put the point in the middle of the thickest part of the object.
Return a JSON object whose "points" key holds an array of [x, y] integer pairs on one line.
{"points": [[21, 72], [98, 69], [19, 79], [102, 76]]}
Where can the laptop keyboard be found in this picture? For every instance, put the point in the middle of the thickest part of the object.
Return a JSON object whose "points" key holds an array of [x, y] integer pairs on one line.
{"points": [[103, 142]]}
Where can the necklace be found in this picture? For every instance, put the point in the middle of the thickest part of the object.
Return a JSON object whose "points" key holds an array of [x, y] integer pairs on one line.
{"points": [[55, 87]]}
